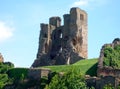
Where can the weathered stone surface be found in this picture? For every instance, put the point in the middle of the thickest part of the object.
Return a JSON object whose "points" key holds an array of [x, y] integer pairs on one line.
{"points": [[108, 71], [1, 58], [38, 73], [99, 83], [65, 44]]}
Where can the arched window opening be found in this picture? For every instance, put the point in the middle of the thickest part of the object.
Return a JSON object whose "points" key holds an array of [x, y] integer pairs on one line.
{"points": [[45, 35], [61, 35], [81, 17], [74, 42]]}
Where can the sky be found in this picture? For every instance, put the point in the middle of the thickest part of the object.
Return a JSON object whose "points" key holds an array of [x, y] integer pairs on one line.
{"points": [[20, 25]]}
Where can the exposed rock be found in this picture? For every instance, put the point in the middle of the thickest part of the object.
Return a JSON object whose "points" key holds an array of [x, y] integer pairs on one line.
{"points": [[1, 58], [59, 45]]}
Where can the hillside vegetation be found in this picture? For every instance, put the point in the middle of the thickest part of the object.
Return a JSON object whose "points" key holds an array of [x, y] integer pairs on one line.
{"points": [[4, 79], [112, 56], [88, 66], [14, 77]]}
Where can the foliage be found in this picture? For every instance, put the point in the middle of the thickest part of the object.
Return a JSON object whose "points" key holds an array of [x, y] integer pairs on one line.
{"points": [[70, 80], [18, 73], [4, 67], [108, 86], [43, 82], [87, 66], [3, 80], [112, 56]]}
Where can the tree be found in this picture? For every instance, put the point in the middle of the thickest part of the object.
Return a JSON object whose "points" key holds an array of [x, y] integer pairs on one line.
{"points": [[112, 56], [70, 80]]}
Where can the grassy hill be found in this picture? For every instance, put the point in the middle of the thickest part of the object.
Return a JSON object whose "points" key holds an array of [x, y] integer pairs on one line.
{"points": [[16, 76], [88, 66]]}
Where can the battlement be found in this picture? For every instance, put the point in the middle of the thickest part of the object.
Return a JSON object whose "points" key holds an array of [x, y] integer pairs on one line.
{"points": [[55, 21]]}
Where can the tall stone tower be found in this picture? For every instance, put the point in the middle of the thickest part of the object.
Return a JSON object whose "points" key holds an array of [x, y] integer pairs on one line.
{"points": [[75, 27], [63, 44]]}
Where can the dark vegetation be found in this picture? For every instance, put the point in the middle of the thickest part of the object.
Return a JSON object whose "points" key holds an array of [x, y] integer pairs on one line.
{"points": [[18, 73]]}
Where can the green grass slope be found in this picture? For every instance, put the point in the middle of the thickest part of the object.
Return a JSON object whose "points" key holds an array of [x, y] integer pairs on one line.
{"points": [[88, 66]]}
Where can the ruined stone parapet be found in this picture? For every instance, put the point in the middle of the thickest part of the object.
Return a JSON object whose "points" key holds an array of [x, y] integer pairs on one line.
{"points": [[108, 71], [55, 21], [1, 58], [38, 73], [65, 44], [116, 42], [113, 44]]}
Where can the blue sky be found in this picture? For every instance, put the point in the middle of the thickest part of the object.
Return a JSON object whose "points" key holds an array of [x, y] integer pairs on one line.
{"points": [[20, 20]]}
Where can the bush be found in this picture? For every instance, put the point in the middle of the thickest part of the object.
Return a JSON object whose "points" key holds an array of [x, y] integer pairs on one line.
{"points": [[71, 80], [18, 73], [112, 56], [108, 86], [4, 67], [3, 80]]}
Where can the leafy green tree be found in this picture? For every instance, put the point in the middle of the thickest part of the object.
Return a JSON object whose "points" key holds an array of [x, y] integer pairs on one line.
{"points": [[112, 56], [70, 80]]}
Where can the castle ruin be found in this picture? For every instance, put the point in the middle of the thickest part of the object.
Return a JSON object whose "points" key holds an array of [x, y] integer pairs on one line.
{"points": [[63, 44]]}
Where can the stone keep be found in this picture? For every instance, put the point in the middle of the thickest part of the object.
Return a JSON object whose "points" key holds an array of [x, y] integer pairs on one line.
{"points": [[67, 44]]}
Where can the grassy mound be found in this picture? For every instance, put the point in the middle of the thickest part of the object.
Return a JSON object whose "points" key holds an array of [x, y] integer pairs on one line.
{"points": [[88, 66]]}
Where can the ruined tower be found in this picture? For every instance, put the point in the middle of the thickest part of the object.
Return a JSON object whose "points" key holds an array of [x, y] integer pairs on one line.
{"points": [[75, 27], [65, 44]]}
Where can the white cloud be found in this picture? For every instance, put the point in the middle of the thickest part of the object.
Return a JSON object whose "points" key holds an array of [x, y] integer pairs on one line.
{"points": [[80, 3], [6, 31], [84, 3]]}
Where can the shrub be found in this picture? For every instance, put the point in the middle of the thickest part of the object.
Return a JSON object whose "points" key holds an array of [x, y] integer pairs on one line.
{"points": [[71, 80], [112, 56], [18, 73], [4, 67], [3, 80], [108, 86]]}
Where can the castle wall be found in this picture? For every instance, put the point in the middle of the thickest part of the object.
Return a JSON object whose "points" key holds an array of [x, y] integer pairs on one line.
{"points": [[44, 39]]}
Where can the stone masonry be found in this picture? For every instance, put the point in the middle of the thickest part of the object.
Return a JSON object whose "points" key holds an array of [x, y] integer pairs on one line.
{"points": [[66, 44], [1, 58]]}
